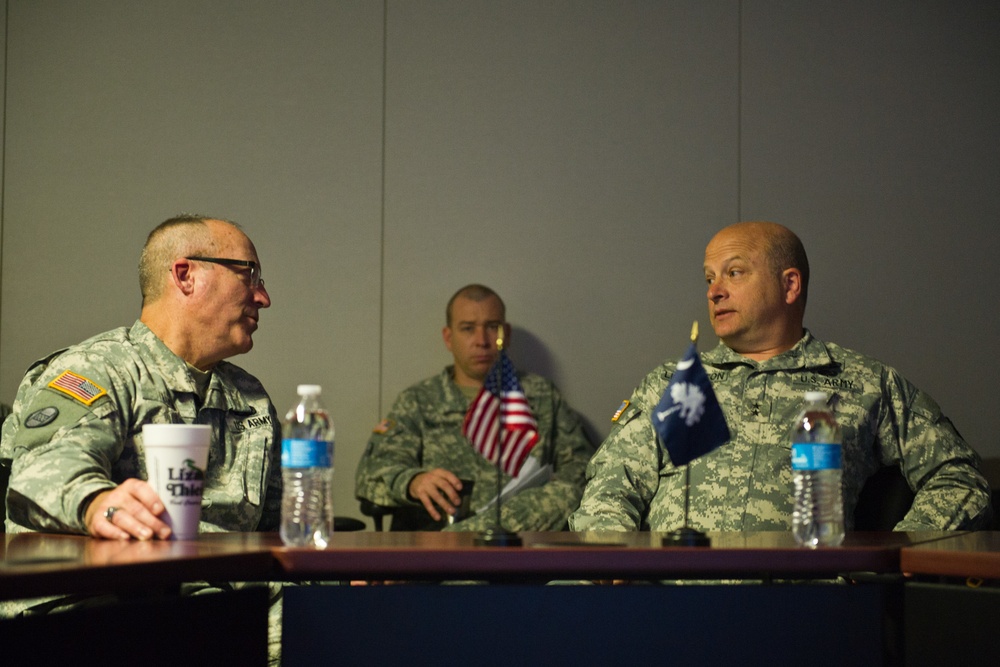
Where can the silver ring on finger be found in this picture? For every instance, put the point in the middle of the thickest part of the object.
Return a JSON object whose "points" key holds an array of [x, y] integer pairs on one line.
{"points": [[109, 514]]}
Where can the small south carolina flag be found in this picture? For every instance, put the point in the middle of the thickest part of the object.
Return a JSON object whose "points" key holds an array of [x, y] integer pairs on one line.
{"points": [[688, 418]]}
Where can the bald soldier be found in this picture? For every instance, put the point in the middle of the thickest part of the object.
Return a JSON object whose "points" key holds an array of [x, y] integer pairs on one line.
{"points": [[74, 440], [758, 278]]}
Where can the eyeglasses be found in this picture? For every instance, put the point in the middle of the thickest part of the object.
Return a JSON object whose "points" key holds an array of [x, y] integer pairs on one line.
{"points": [[255, 278]]}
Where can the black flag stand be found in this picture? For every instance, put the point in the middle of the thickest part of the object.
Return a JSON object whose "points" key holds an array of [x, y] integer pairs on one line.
{"points": [[497, 536], [686, 536]]}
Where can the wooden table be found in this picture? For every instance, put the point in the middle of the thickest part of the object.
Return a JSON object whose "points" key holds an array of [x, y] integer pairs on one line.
{"points": [[952, 600], [783, 608], [38, 564], [967, 555], [545, 556], [768, 600], [147, 622], [35, 564]]}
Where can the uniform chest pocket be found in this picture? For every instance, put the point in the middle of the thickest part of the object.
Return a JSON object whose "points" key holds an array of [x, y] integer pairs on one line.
{"points": [[255, 453]]}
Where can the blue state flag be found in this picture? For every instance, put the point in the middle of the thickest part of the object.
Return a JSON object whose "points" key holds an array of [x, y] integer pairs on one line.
{"points": [[688, 418]]}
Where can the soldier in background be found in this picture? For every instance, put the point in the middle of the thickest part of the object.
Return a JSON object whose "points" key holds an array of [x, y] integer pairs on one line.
{"points": [[417, 456], [758, 277]]}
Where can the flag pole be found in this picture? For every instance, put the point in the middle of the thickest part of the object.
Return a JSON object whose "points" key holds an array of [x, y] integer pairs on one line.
{"points": [[687, 468], [497, 536], [686, 536], [499, 449]]}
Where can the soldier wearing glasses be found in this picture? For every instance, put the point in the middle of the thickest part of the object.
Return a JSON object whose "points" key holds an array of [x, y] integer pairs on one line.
{"points": [[74, 441]]}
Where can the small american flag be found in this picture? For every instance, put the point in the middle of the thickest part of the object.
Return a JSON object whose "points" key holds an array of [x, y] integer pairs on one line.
{"points": [[78, 387], [520, 431]]}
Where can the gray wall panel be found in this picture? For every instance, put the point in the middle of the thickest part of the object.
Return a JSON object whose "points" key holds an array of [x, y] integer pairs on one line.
{"points": [[874, 132]]}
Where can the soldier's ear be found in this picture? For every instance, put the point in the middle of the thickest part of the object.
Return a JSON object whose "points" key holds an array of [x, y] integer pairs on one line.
{"points": [[446, 336], [182, 276], [791, 284]]}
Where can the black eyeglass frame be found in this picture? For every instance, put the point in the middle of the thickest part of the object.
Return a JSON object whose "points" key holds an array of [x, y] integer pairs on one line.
{"points": [[256, 279]]}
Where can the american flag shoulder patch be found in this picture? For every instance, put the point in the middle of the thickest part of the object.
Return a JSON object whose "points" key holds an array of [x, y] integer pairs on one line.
{"points": [[383, 426], [78, 387], [618, 413]]}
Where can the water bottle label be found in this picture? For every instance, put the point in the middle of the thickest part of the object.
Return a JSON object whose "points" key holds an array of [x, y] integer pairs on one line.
{"points": [[815, 456], [296, 453]]}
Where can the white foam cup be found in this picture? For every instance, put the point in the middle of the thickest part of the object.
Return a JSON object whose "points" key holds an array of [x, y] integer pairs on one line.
{"points": [[176, 456]]}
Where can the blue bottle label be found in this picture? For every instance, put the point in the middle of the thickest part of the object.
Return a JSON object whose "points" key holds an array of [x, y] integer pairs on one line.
{"points": [[296, 453], [815, 456]]}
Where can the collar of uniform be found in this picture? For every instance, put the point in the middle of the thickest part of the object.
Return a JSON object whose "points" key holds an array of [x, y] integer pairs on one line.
{"points": [[808, 352], [452, 392], [170, 367], [222, 393]]}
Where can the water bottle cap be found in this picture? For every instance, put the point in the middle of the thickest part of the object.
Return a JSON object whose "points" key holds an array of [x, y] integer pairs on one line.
{"points": [[814, 396], [310, 390]]}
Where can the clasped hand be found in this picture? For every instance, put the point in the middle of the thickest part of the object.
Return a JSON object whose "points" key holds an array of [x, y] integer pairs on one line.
{"points": [[436, 488]]}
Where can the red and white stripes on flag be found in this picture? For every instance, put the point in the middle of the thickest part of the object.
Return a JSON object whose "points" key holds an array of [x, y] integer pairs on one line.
{"points": [[520, 430]]}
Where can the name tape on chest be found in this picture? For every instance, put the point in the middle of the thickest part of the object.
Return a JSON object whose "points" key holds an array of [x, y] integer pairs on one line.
{"points": [[241, 426]]}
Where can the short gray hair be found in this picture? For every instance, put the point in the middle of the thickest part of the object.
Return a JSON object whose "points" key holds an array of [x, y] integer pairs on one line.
{"points": [[180, 236]]}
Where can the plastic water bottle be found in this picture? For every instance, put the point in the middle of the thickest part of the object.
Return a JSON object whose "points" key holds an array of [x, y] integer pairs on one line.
{"points": [[307, 472], [818, 515]]}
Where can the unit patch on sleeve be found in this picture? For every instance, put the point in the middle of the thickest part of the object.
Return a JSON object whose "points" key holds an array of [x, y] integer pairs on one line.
{"points": [[77, 387], [42, 417]]}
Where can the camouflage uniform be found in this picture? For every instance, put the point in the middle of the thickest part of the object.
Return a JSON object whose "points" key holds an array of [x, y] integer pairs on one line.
{"points": [[746, 484], [424, 431], [64, 452]]}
